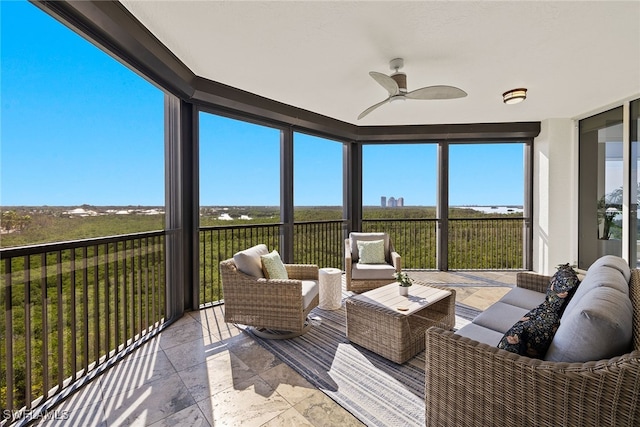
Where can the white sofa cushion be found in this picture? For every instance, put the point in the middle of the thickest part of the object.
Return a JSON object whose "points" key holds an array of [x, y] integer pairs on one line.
{"points": [[249, 262]]}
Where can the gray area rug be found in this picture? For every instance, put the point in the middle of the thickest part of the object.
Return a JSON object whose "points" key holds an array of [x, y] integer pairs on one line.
{"points": [[375, 390]]}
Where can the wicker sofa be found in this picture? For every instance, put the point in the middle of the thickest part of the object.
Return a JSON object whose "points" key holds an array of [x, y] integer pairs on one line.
{"points": [[474, 383]]}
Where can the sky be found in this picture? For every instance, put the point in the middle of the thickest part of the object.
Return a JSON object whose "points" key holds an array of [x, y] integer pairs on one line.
{"points": [[78, 127]]}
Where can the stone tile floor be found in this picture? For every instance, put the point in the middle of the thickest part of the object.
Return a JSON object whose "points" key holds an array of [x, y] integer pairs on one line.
{"points": [[201, 371]]}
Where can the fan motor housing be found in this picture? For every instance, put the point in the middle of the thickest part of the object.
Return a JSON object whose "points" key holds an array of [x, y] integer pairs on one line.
{"points": [[401, 80]]}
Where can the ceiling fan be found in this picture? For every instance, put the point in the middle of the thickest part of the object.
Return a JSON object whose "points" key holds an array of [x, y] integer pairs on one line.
{"points": [[396, 85]]}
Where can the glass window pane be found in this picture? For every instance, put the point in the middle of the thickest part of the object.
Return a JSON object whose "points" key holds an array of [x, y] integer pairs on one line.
{"points": [[399, 176], [634, 128], [239, 171], [600, 185], [82, 136], [317, 178], [486, 179]]}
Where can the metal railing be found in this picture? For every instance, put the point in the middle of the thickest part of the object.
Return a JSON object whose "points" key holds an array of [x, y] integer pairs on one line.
{"points": [[71, 307], [472, 244], [319, 242], [478, 243], [486, 244], [414, 239], [218, 243]]}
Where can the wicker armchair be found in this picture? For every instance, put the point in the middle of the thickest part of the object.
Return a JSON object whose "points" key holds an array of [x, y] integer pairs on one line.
{"points": [[275, 308], [474, 384], [360, 278]]}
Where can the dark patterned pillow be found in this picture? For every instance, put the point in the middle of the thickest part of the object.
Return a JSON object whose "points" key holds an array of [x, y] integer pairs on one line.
{"points": [[563, 284], [532, 335]]}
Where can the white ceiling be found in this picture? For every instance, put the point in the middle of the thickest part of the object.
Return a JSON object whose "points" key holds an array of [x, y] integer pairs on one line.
{"points": [[574, 57]]}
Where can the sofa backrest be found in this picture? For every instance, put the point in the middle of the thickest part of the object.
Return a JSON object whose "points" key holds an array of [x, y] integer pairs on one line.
{"points": [[598, 322]]}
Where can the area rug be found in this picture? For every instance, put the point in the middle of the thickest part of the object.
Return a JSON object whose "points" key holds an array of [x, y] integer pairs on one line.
{"points": [[375, 390]]}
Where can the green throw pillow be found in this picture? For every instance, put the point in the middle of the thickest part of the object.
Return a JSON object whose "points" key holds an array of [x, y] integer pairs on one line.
{"points": [[273, 267], [371, 252]]}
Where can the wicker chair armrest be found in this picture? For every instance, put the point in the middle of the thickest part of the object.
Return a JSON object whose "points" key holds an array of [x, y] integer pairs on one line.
{"points": [[474, 384], [347, 260], [533, 281], [302, 271], [396, 260]]}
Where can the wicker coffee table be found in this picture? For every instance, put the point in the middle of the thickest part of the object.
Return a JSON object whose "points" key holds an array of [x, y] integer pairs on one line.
{"points": [[394, 326]]}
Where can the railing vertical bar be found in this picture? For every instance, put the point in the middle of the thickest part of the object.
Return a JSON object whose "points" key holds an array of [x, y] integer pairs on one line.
{"points": [[154, 272], [45, 325], [132, 295], [8, 316], [96, 306], [85, 311], [27, 331], [146, 283], [139, 286], [125, 311], [72, 303], [203, 266], [116, 294], [60, 310], [107, 300]]}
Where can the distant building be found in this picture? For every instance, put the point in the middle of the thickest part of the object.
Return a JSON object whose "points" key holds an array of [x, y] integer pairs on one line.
{"points": [[392, 202], [400, 202], [383, 201]]}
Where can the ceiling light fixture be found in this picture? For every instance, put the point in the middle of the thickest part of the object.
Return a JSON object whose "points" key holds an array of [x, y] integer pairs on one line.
{"points": [[514, 96]]}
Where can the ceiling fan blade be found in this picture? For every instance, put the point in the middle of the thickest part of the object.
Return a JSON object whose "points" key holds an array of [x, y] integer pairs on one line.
{"points": [[373, 107], [386, 82], [437, 92]]}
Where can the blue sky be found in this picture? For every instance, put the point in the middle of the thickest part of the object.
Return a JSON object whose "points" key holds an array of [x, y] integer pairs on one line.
{"points": [[78, 127]]}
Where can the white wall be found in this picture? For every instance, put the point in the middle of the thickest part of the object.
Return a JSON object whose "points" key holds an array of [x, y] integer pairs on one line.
{"points": [[555, 195]]}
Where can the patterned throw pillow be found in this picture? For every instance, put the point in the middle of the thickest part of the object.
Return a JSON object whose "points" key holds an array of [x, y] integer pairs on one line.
{"points": [[563, 284], [273, 266], [371, 252], [532, 335]]}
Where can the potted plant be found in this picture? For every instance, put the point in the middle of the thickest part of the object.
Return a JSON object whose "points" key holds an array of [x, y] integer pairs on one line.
{"points": [[404, 281], [609, 207]]}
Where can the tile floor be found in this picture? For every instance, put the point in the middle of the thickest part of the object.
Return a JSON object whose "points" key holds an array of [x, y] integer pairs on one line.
{"points": [[202, 371]]}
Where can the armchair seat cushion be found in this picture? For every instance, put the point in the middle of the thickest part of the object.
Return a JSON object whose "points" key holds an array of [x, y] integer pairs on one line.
{"points": [[372, 271], [310, 290]]}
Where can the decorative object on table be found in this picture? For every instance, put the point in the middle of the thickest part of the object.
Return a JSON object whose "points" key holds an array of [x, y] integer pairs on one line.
{"points": [[404, 281]]}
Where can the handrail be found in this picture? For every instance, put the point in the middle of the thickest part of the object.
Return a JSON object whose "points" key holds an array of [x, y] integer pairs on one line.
{"points": [[71, 244]]}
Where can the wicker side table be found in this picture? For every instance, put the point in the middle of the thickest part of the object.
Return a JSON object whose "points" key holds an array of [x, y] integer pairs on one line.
{"points": [[391, 333]]}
